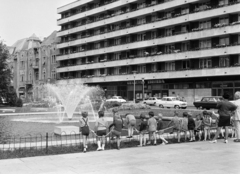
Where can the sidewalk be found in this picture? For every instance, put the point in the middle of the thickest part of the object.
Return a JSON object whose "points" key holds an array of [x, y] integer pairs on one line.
{"points": [[184, 158]]}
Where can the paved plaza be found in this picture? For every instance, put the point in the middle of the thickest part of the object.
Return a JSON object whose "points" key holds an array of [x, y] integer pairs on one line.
{"points": [[197, 157]]}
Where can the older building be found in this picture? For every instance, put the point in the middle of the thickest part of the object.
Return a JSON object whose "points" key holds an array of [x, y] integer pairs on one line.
{"points": [[187, 48], [33, 64]]}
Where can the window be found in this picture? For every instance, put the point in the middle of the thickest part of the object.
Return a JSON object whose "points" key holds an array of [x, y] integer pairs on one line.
{"points": [[205, 63], [223, 2], [224, 41], [205, 44], [186, 64], [169, 32], [224, 62], [141, 68], [30, 76], [141, 21], [170, 66], [185, 11], [205, 24], [141, 37], [224, 21], [44, 73], [117, 41], [205, 99]]}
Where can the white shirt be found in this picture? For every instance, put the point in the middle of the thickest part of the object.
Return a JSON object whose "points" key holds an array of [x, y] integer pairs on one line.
{"points": [[237, 111]]}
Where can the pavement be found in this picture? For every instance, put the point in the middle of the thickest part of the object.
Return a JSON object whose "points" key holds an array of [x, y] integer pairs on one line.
{"points": [[184, 158]]}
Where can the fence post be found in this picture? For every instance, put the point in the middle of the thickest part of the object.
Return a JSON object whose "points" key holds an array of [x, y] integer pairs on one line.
{"points": [[47, 143]]}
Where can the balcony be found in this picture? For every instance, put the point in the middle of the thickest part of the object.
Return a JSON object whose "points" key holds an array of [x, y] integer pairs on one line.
{"points": [[29, 82], [208, 72], [154, 42], [96, 10], [209, 12], [36, 66], [124, 16], [196, 33], [157, 57]]}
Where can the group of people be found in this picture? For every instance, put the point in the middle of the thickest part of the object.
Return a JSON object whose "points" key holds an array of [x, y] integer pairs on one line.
{"points": [[151, 126]]}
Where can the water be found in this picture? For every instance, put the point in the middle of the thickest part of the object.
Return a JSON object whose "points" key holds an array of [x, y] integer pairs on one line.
{"points": [[71, 97]]}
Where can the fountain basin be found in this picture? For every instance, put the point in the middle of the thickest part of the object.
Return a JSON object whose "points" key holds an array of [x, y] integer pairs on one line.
{"points": [[66, 130]]}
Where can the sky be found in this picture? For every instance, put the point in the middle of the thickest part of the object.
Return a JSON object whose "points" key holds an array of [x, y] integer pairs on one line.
{"points": [[21, 18]]}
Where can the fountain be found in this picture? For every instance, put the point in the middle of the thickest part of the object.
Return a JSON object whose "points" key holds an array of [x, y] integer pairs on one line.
{"points": [[70, 97]]}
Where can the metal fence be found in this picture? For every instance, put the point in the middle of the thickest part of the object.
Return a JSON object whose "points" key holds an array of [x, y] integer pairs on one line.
{"points": [[12, 147]]}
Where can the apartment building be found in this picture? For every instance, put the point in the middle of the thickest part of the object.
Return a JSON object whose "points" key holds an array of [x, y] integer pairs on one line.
{"points": [[33, 64], [185, 48]]}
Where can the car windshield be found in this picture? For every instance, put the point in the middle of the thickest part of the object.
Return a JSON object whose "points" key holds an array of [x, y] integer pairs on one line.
{"points": [[119, 97]]}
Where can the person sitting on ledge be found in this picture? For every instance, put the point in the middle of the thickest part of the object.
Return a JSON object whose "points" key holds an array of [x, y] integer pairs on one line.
{"points": [[131, 123], [160, 130], [143, 129], [117, 128]]}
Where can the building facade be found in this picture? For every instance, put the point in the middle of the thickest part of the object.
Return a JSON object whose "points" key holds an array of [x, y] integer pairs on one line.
{"points": [[33, 64], [185, 48]]}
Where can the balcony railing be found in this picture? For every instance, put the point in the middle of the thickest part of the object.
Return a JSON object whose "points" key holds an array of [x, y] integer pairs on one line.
{"points": [[79, 11], [157, 71], [180, 32], [162, 36], [156, 20], [110, 16]]}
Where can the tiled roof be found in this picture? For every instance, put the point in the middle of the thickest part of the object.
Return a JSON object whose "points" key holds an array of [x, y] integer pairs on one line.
{"points": [[52, 38], [27, 43]]}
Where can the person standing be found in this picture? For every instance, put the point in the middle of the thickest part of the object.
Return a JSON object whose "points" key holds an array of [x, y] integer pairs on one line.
{"points": [[191, 127], [225, 109], [207, 122], [236, 116], [152, 127], [101, 129], [84, 129]]}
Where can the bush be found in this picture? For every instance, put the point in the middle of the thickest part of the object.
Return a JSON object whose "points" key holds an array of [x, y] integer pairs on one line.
{"points": [[112, 104], [19, 102]]}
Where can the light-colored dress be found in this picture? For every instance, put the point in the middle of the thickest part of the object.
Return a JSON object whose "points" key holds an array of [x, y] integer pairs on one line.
{"points": [[152, 125], [236, 118]]}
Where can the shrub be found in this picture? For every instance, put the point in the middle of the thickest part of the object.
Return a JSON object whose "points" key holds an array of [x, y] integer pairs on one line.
{"points": [[112, 104], [19, 102]]}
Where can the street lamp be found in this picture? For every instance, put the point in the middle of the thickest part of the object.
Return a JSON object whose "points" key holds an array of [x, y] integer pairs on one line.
{"points": [[143, 88], [134, 72], [105, 92]]}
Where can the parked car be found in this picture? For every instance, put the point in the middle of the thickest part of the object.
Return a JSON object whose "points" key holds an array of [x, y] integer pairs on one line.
{"points": [[171, 102], [117, 99], [207, 102], [151, 100]]}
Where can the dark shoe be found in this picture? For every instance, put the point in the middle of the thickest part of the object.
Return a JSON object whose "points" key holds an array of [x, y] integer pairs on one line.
{"points": [[237, 141]]}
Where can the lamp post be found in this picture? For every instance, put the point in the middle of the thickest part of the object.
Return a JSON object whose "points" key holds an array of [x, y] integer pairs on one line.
{"points": [[105, 92], [134, 72], [143, 87]]}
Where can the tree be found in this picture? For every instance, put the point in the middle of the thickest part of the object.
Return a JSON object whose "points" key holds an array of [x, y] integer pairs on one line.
{"points": [[5, 72]]}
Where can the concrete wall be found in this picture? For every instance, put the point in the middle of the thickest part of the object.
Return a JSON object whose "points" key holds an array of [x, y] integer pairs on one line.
{"points": [[191, 95]]}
